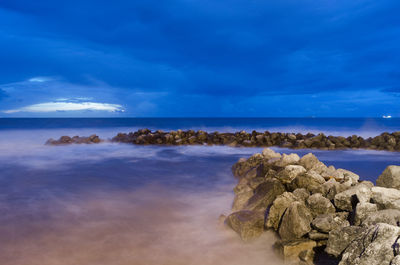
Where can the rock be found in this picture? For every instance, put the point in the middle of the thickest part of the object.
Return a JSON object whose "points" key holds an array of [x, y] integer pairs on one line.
{"points": [[241, 200], [308, 161], [278, 208], [269, 153], [265, 194], [388, 216], [395, 260], [378, 245], [296, 250], [386, 198], [330, 188], [348, 199], [295, 221], [340, 238], [349, 176], [242, 186], [248, 224], [287, 160], [327, 222], [363, 209], [320, 205], [301, 194], [290, 172], [390, 178], [311, 181], [317, 236]]}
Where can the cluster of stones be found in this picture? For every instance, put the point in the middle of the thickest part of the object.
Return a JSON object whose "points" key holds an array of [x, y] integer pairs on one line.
{"points": [[313, 207], [92, 139], [385, 141]]}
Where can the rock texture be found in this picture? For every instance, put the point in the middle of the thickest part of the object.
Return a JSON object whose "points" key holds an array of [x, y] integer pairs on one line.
{"points": [[311, 205]]}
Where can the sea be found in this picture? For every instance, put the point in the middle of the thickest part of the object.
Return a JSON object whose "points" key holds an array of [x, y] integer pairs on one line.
{"points": [[109, 203]]}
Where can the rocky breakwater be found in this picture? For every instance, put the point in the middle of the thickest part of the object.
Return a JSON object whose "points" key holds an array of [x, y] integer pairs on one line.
{"points": [[315, 208], [385, 141], [63, 140]]}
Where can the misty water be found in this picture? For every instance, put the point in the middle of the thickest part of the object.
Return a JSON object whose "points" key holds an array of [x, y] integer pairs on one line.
{"points": [[125, 204]]}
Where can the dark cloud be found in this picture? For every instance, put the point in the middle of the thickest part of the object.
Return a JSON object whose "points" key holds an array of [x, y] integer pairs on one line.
{"points": [[219, 49]]}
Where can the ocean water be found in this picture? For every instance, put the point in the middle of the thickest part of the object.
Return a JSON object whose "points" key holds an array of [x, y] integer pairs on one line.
{"points": [[124, 204]]}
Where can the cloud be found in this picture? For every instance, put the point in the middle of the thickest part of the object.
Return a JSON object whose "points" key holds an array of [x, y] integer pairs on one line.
{"points": [[68, 106], [39, 79]]}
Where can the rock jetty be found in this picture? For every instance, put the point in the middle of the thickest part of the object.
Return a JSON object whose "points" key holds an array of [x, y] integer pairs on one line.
{"points": [[385, 141], [315, 208], [93, 139]]}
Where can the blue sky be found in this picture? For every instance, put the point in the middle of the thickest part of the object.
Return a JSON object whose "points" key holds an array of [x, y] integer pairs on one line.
{"points": [[183, 58]]}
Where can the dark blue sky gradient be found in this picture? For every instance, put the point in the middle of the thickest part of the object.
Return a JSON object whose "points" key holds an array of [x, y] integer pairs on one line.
{"points": [[200, 58]]}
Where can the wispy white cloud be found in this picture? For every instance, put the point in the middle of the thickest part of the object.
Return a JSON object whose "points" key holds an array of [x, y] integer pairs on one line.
{"points": [[68, 106], [39, 79]]}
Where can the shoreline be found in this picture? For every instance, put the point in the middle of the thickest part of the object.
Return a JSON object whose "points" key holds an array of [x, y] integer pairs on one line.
{"points": [[385, 141]]}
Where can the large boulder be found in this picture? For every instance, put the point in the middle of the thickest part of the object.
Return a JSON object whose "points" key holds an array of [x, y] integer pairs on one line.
{"points": [[330, 188], [310, 181], [327, 222], [241, 199], [311, 162], [386, 198], [290, 172], [278, 208], [340, 238], [268, 153], [349, 177], [295, 251], [318, 205], [248, 224], [295, 222], [348, 199], [378, 245], [388, 216], [390, 178], [287, 160], [265, 194], [363, 210]]}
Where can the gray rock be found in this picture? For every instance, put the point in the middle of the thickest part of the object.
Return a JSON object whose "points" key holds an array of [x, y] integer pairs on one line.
{"points": [[248, 224], [347, 199], [320, 205], [390, 178], [310, 181], [265, 194], [295, 251], [327, 222], [330, 188], [290, 172], [241, 199], [242, 186], [386, 198], [375, 246], [318, 236], [287, 160], [363, 209], [308, 161], [349, 176], [295, 221], [396, 260], [281, 203], [388, 216], [269, 153], [340, 238], [301, 193]]}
